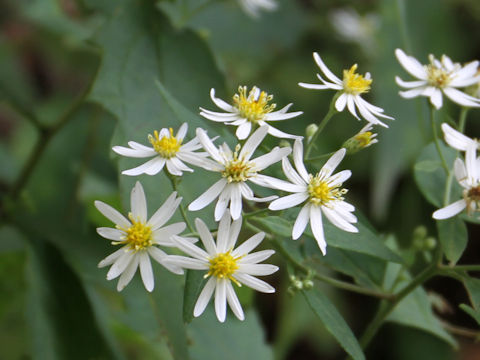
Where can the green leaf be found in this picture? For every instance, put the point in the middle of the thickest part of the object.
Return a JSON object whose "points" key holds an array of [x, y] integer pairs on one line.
{"points": [[453, 236], [365, 241], [473, 288], [474, 314], [62, 322], [234, 340], [194, 283], [334, 322]]}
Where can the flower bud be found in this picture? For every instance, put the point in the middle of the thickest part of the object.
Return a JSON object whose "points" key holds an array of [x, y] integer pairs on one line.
{"points": [[284, 143], [363, 139], [310, 130]]}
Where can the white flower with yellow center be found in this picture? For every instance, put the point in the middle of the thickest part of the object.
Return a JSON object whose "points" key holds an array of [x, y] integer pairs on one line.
{"points": [[320, 193], [236, 169], [457, 140], [225, 264], [438, 77], [248, 111], [351, 88], [167, 149], [468, 176], [139, 238], [253, 7], [362, 140]]}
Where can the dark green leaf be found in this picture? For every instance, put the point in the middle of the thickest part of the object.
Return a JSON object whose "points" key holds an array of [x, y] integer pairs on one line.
{"points": [[453, 236]]}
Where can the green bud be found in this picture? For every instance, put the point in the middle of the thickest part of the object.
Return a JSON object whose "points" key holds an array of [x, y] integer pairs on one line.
{"points": [[307, 284], [310, 130], [284, 143], [430, 243], [420, 232]]}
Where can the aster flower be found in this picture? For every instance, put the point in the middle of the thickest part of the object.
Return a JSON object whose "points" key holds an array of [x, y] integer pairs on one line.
{"points": [[468, 176], [253, 7], [225, 265], [236, 168], [457, 140], [351, 88], [167, 149], [320, 193], [363, 139], [139, 238], [248, 111], [438, 77]]}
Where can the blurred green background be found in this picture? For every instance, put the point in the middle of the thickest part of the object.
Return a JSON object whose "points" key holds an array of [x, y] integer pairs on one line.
{"points": [[89, 67]]}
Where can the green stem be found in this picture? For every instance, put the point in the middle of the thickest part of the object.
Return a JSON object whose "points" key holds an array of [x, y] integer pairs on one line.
{"points": [[437, 142], [462, 119], [320, 157], [460, 268], [331, 111], [174, 181], [326, 279]]}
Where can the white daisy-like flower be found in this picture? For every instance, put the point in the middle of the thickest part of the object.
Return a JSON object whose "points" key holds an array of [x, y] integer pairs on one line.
{"points": [[468, 176], [253, 7], [320, 193], [249, 111], [236, 169], [139, 238], [438, 77], [167, 149], [351, 88], [457, 140], [225, 265], [363, 139]]}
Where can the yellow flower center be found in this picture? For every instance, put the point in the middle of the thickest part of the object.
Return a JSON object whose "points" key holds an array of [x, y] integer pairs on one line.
{"points": [[437, 77], [364, 139], [167, 146], [354, 83], [223, 266], [138, 236], [237, 170], [321, 193], [255, 106]]}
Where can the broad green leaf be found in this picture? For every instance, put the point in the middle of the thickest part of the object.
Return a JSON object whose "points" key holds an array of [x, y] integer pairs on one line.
{"points": [[473, 288], [61, 318], [233, 340], [453, 236], [333, 321], [363, 242]]}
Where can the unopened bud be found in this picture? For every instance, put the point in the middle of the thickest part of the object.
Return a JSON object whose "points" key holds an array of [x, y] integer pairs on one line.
{"points": [[307, 284], [420, 232], [310, 130], [284, 143], [430, 243]]}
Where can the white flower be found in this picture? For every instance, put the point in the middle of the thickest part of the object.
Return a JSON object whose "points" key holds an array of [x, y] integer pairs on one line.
{"points": [[253, 7], [468, 176], [250, 110], [139, 238], [363, 139], [457, 140], [438, 77], [167, 149], [225, 265], [351, 87], [321, 193], [236, 168]]}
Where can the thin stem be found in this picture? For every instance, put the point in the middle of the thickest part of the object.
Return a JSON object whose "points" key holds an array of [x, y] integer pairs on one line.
{"points": [[437, 142], [460, 331], [460, 267], [255, 213], [174, 180], [326, 279], [320, 157], [462, 119], [331, 111]]}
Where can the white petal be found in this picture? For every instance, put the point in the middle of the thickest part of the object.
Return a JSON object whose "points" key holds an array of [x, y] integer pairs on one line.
{"points": [[110, 233], [461, 98], [450, 210], [257, 269], [221, 299], [144, 167], [333, 162], [298, 160], [455, 138], [410, 84], [252, 143], [339, 178], [208, 145], [341, 102], [351, 106], [436, 99], [185, 262], [325, 69], [288, 201], [155, 167], [138, 203], [409, 94], [161, 257], [236, 202], [313, 86], [317, 228], [270, 158], [190, 249], [290, 173], [205, 236], [204, 297], [134, 153], [273, 183], [128, 274], [120, 264], [223, 200], [280, 134], [254, 283], [248, 245], [165, 212], [411, 65], [235, 228], [459, 170], [256, 257], [110, 259], [337, 220], [244, 130], [471, 163], [146, 271], [220, 103], [112, 214], [223, 233], [164, 235], [208, 196], [182, 131], [233, 302], [301, 222]]}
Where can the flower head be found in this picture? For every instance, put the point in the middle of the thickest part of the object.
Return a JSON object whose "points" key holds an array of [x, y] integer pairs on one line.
{"points": [[350, 88], [468, 176], [253, 7], [236, 169], [363, 139], [437, 78], [250, 109], [167, 149], [320, 193], [225, 264], [139, 238]]}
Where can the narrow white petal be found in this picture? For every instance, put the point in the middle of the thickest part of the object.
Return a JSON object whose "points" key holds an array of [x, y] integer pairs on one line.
{"points": [[221, 299], [254, 283], [252, 143], [146, 271], [120, 264], [208, 196], [110, 233], [273, 183], [155, 167], [409, 94], [436, 99], [282, 135], [161, 257], [298, 160], [127, 275], [256, 257], [138, 203], [208, 145], [164, 236], [317, 228], [339, 177], [236, 202], [222, 202], [110, 259], [288, 201], [459, 170], [190, 249], [134, 153], [301, 222], [333, 162], [313, 86], [471, 162], [337, 220], [244, 130], [325, 69], [411, 65], [341, 102], [461, 98], [182, 131], [164, 212], [351, 106], [450, 210], [138, 146], [257, 269], [205, 236], [185, 262], [248, 245], [270, 158], [455, 138], [111, 214], [223, 233], [233, 302], [410, 84], [220, 103], [143, 168], [204, 297]]}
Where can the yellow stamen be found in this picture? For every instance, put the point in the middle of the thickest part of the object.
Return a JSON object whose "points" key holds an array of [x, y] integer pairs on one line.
{"points": [[436, 76], [167, 146], [237, 170], [321, 193], [223, 266], [138, 236], [251, 107], [354, 83], [364, 139]]}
